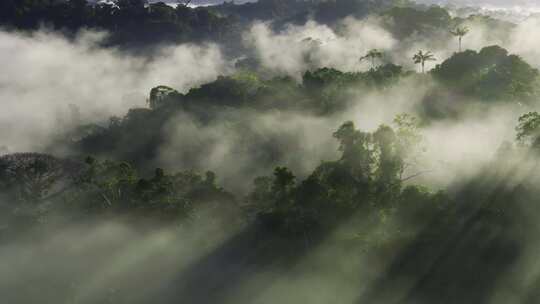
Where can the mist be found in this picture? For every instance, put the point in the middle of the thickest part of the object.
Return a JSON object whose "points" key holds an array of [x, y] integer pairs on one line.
{"points": [[50, 83], [104, 260], [454, 149], [305, 175], [314, 45]]}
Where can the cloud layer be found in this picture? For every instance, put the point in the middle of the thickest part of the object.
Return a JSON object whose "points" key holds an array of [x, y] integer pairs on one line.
{"points": [[49, 82]]}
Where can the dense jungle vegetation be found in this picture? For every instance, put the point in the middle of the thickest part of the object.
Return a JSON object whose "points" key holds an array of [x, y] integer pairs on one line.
{"points": [[368, 215]]}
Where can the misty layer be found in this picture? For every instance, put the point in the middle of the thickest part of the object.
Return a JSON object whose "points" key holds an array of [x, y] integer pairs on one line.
{"points": [[342, 151], [50, 83]]}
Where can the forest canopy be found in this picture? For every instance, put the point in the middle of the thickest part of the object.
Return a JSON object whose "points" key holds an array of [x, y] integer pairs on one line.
{"points": [[346, 151]]}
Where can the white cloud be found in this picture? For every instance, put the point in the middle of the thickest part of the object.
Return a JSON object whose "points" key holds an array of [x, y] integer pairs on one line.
{"points": [[43, 73]]}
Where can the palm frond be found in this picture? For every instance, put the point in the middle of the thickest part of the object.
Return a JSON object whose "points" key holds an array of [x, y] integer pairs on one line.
{"points": [[460, 31]]}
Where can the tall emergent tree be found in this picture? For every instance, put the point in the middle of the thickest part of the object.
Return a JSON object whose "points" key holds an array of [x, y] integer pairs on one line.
{"points": [[460, 32], [372, 55], [421, 58]]}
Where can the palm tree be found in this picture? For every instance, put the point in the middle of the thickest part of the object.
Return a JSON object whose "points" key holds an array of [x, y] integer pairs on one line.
{"points": [[372, 55], [460, 32], [422, 57]]}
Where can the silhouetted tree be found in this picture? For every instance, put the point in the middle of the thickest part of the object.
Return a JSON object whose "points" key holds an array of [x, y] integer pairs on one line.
{"points": [[421, 58], [372, 55], [460, 32]]}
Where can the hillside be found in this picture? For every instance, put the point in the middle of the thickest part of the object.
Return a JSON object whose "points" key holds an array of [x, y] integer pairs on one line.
{"points": [[347, 151]]}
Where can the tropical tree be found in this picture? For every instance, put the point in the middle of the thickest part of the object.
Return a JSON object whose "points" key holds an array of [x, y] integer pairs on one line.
{"points": [[372, 55], [421, 58], [528, 130], [160, 96], [460, 32], [284, 182], [33, 177]]}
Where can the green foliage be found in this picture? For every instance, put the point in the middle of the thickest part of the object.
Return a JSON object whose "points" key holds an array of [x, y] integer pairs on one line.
{"points": [[40, 186], [117, 187], [356, 150], [372, 55], [406, 21], [237, 89], [491, 74], [322, 77], [367, 189], [131, 22], [369, 174], [357, 203], [328, 88], [384, 76], [389, 162], [105, 184], [136, 136], [327, 12], [422, 57], [460, 32], [162, 96], [136, 23], [417, 204], [528, 129], [409, 135], [31, 178], [498, 30]]}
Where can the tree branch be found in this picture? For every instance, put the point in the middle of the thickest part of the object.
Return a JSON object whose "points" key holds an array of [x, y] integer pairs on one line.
{"points": [[415, 175]]}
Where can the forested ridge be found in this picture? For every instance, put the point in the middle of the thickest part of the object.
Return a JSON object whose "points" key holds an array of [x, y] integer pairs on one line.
{"points": [[137, 23], [265, 187]]}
